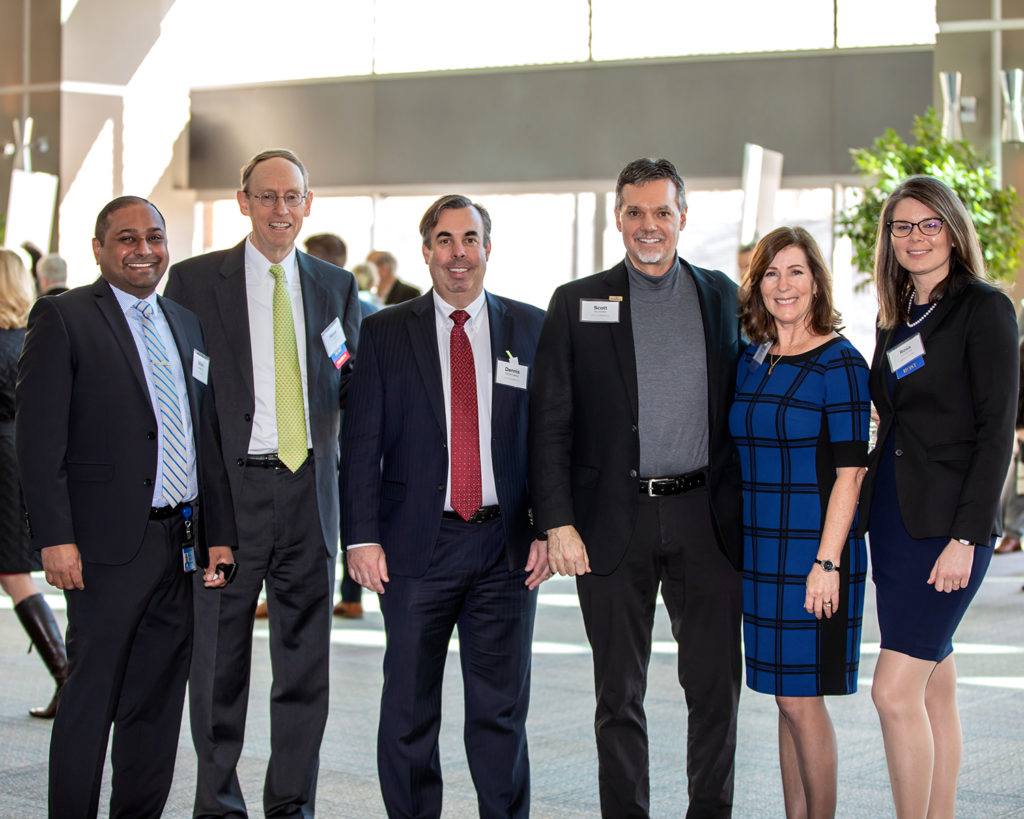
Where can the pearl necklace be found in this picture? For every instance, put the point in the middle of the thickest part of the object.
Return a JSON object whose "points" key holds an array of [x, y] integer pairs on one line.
{"points": [[928, 312]]}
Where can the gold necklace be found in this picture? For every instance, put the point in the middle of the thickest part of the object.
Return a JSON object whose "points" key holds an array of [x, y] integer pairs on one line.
{"points": [[772, 361]]}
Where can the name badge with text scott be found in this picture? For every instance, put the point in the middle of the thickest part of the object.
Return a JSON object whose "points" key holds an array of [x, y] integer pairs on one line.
{"points": [[200, 367], [906, 357], [511, 373], [334, 342], [601, 311]]}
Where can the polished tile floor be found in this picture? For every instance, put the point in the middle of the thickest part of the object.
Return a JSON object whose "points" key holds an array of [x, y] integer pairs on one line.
{"points": [[990, 658]]}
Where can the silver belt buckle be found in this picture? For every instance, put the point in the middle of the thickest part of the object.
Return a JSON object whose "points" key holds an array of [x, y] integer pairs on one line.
{"points": [[650, 486]]}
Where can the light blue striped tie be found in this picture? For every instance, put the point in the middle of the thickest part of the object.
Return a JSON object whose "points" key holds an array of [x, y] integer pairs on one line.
{"points": [[173, 451]]}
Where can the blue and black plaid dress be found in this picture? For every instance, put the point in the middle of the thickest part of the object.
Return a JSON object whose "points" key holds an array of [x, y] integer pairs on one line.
{"points": [[793, 429]]}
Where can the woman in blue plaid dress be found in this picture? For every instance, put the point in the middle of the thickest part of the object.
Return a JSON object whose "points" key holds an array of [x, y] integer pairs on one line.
{"points": [[800, 421]]}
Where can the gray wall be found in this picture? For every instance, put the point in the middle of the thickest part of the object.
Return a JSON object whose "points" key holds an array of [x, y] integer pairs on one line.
{"points": [[565, 123]]}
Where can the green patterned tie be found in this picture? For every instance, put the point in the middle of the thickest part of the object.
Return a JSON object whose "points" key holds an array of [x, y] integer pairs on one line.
{"points": [[291, 417]]}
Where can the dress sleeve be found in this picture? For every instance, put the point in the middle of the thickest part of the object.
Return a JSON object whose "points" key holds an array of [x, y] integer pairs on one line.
{"points": [[847, 406]]}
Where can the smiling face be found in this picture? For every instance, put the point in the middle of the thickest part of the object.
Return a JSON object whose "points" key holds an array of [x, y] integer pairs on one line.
{"points": [[925, 258], [274, 229], [133, 253], [457, 256], [788, 287], [650, 222]]}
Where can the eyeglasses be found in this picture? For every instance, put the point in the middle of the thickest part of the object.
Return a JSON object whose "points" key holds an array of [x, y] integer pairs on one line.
{"points": [[269, 199], [928, 227]]}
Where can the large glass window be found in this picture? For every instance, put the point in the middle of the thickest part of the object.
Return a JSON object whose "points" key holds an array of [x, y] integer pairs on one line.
{"points": [[883, 23]]}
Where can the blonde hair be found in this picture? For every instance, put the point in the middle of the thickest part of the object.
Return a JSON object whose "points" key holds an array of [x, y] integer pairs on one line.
{"points": [[16, 291]]}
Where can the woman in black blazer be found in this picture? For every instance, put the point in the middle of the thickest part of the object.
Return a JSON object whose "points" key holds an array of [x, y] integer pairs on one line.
{"points": [[944, 381]]}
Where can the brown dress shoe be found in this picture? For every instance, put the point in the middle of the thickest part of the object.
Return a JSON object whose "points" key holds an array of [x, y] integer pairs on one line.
{"points": [[353, 611], [261, 611], [1008, 544]]}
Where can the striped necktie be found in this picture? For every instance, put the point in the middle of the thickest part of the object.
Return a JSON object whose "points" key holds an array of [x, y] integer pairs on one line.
{"points": [[291, 413], [172, 432]]}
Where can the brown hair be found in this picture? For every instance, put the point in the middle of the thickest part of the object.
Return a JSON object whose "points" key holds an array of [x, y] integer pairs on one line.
{"points": [[644, 170], [452, 201], [16, 290], [758, 323], [892, 281], [283, 153]]}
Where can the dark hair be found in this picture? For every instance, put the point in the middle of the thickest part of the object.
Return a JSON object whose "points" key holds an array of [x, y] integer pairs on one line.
{"points": [[328, 246], [642, 171], [103, 218], [966, 259], [758, 323], [452, 201], [283, 153]]}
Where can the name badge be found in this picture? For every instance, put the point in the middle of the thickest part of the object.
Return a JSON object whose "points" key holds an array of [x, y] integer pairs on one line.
{"points": [[759, 356], [601, 311], [906, 357], [335, 344], [200, 367], [511, 373]]}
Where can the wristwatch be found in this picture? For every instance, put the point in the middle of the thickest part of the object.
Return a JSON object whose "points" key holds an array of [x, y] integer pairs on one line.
{"points": [[827, 565]]}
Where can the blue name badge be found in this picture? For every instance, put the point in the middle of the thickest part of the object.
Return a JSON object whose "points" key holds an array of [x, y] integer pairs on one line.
{"points": [[910, 366], [907, 356], [188, 558]]}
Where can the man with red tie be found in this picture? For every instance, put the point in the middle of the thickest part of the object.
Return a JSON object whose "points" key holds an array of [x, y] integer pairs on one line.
{"points": [[436, 516]]}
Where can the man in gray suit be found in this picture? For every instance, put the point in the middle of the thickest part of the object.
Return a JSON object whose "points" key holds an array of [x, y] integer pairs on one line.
{"points": [[282, 328]]}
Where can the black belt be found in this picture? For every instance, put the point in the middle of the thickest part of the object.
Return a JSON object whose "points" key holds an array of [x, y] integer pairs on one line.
{"points": [[164, 512], [676, 485], [269, 461], [481, 515]]}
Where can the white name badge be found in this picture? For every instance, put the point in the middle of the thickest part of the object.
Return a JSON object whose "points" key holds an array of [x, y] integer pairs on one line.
{"points": [[511, 373], [334, 343], [906, 357], [599, 310], [200, 367]]}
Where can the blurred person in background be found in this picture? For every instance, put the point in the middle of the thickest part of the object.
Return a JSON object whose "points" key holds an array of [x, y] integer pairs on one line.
{"points": [[17, 558]]}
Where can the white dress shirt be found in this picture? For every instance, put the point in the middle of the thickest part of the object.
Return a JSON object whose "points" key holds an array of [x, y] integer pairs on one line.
{"points": [[259, 297], [127, 301], [478, 330]]}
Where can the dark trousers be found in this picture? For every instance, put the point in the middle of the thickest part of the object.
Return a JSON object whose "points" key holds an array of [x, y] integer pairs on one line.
{"points": [[674, 546], [468, 585], [128, 641], [280, 541]]}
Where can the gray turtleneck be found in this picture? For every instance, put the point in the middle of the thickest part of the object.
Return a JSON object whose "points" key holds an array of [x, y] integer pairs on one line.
{"points": [[671, 371]]}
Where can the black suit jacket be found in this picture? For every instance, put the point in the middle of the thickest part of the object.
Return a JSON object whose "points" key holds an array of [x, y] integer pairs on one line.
{"points": [[401, 292], [952, 419], [584, 438], [213, 286], [395, 439], [86, 430]]}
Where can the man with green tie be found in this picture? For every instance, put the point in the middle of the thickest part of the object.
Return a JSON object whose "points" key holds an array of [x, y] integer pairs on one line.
{"points": [[283, 328]]}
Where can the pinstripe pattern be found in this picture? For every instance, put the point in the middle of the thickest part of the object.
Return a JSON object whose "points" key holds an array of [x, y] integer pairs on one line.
{"points": [[172, 432], [793, 429]]}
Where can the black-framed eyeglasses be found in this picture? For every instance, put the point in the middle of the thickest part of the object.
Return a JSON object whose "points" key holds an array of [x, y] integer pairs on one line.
{"points": [[928, 227], [269, 199]]}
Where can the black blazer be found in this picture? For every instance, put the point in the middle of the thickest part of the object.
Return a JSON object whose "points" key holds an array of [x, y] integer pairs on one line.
{"points": [[394, 441], [86, 430], [584, 438], [401, 292], [213, 286], [952, 419]]}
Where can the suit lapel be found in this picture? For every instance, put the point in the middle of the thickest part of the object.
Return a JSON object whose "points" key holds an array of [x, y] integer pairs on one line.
{"points": [[229, 291], [710, 301], [118, 323], [617, 282], [423, 336], [502, 331], [315, 308]]}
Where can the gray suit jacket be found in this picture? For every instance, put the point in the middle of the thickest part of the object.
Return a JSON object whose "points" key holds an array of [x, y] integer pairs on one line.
{"points": [[213, 287]]}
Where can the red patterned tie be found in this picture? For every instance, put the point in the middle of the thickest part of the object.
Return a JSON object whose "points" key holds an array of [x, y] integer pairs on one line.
{"points": [[466, 491]]}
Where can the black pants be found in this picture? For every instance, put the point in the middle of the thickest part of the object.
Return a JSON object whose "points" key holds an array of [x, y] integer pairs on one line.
{"points": [[674, 546], [280, 541], [128, 640]]}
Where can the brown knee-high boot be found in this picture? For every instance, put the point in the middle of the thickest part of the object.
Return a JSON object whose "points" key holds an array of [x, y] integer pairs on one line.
{"points": [[38, 621]]}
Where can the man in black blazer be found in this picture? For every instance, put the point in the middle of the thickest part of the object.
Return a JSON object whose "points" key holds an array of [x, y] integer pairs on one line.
{"points": [[284, 365], [637, 483], [436, 516], [390, 289], [126, 491]]}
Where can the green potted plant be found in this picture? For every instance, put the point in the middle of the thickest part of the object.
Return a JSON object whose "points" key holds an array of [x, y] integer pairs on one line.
{"points": [[889, 160]]}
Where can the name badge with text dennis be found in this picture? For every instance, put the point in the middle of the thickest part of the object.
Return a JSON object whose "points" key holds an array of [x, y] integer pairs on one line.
{"points": [[601, 311], [511, 373]]}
